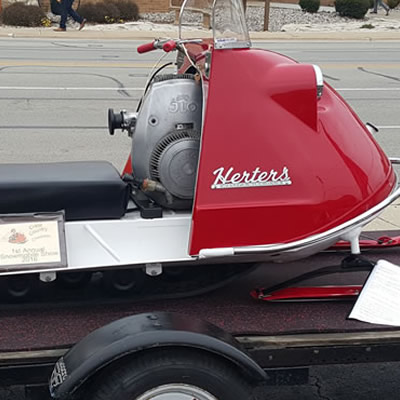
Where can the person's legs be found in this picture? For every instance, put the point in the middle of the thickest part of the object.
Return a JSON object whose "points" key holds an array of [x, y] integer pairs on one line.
{"points": [[383, 5], [75, 16], [64, 15]]}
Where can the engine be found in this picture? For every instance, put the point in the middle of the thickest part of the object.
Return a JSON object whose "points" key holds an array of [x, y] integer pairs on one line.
{"points": [[166, 139]]}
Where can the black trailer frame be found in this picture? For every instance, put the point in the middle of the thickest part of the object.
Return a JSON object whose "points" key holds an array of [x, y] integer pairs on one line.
{"points": [[285, 358]]}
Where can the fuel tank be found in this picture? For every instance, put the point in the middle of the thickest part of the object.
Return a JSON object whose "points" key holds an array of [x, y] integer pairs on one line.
{"points": [[278, 162]]}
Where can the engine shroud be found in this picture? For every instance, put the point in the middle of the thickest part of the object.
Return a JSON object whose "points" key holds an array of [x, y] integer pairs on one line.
{"points": [[166, 142]]}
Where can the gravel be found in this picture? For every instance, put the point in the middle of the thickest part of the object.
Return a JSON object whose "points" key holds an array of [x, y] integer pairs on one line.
{"points": [[282, 16], [255, 18]]}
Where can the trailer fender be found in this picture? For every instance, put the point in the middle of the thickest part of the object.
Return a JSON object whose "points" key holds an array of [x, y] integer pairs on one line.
{"points": [[139, 333]]}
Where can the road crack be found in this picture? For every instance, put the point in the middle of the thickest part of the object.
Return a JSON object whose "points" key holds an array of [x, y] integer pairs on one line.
{"points": [[315, 381]]}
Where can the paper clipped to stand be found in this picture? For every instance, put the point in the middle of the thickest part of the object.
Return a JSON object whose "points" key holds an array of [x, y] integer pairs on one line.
{"points": [[379, 300]]}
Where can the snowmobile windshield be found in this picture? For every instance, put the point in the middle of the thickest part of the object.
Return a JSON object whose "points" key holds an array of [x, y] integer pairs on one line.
{"points": [[224, 18]]}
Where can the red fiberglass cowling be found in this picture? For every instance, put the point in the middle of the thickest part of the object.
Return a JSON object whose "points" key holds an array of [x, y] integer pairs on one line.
{"points": [[276, 164]]}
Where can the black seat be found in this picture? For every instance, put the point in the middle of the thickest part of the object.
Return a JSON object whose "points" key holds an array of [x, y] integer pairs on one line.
{"points": [[85, 190]]}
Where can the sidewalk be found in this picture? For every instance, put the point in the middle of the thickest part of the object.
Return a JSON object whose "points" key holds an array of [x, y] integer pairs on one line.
{"points": [[389, 220], [127, 33], [382, 28]]}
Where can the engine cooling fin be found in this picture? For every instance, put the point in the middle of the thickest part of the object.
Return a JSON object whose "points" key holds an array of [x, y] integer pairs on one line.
{"points": [[166, 77], [173, 162], [166, 141]]}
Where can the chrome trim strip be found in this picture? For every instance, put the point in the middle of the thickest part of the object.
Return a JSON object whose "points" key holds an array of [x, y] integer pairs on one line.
{"points": [[319, 79], [394, 160], [313, 240]]}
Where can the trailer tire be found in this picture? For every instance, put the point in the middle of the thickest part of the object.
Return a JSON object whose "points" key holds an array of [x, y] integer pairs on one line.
{"points": [[182, 374]]}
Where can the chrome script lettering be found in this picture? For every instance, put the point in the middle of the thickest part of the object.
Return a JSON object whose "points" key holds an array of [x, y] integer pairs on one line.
{"points": [[229, 178]]}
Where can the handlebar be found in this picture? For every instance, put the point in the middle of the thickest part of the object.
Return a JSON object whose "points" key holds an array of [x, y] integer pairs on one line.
{"points": [[145, 48], [169, 46]]}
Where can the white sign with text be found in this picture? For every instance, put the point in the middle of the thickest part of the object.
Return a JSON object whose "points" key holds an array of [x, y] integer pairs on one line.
{"points": [[29, 243], [379, 300]]}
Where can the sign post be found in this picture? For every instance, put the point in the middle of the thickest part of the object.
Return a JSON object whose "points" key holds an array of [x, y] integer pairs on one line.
{"points": [[266, 15]]}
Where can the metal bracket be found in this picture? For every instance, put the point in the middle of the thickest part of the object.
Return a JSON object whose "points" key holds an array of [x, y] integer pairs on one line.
{"points": [[154, 269]]}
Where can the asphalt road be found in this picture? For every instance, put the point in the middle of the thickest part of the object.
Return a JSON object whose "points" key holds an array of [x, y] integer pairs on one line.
{"points": [[54, 96], [349, 382]]}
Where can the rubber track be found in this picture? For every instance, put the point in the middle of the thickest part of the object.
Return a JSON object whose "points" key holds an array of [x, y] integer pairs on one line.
{"points": [[199, 280]]}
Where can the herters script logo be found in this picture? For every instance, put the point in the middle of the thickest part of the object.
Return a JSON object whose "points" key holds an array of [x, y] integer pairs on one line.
{"points": [[229, 178]]}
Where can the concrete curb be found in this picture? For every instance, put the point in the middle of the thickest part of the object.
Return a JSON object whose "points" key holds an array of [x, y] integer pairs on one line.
{"points": [[126, 34]]}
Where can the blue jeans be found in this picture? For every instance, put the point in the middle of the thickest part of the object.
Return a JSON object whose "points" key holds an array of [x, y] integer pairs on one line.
{"points": [[66, 9], [382, 4]]}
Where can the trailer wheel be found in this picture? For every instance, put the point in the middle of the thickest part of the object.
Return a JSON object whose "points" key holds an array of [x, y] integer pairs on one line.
{"points": [[176, 374]]}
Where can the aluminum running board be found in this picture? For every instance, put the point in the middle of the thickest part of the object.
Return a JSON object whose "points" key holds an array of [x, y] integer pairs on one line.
{"points": [[129, 241]]}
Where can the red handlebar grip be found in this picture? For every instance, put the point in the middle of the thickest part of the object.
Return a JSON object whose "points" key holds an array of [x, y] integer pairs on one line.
{"points": [[144, 48], [169, 46]]}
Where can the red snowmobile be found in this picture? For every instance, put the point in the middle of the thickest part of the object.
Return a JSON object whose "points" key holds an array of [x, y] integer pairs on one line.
{"points": [[238, 156]]}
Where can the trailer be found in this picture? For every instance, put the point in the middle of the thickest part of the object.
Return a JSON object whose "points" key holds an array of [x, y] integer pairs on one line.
{"points": [[87, 347]]}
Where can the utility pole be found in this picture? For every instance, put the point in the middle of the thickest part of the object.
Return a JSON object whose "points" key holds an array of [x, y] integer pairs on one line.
{"points": [[266, 14]]}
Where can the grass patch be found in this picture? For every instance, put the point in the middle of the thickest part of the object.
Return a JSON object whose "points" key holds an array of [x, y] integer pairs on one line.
{"points": [[367, 26]]}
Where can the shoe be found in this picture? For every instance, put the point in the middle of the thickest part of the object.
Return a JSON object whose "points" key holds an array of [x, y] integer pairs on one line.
{"points": [[60, 29], [81, 26]]}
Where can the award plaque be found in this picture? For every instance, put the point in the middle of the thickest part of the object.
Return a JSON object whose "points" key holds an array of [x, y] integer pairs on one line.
{"points": [[32, 241]]}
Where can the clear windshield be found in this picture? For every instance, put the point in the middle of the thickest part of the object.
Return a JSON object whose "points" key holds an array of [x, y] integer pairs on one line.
{"points": [[224, 18]]}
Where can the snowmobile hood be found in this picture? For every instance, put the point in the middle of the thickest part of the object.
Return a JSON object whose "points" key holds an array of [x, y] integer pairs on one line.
{"points": [[278, 163]]}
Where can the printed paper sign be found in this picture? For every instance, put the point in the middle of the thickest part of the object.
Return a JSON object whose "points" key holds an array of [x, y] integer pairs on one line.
{"points": [[24, 243], [379, 300]]}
